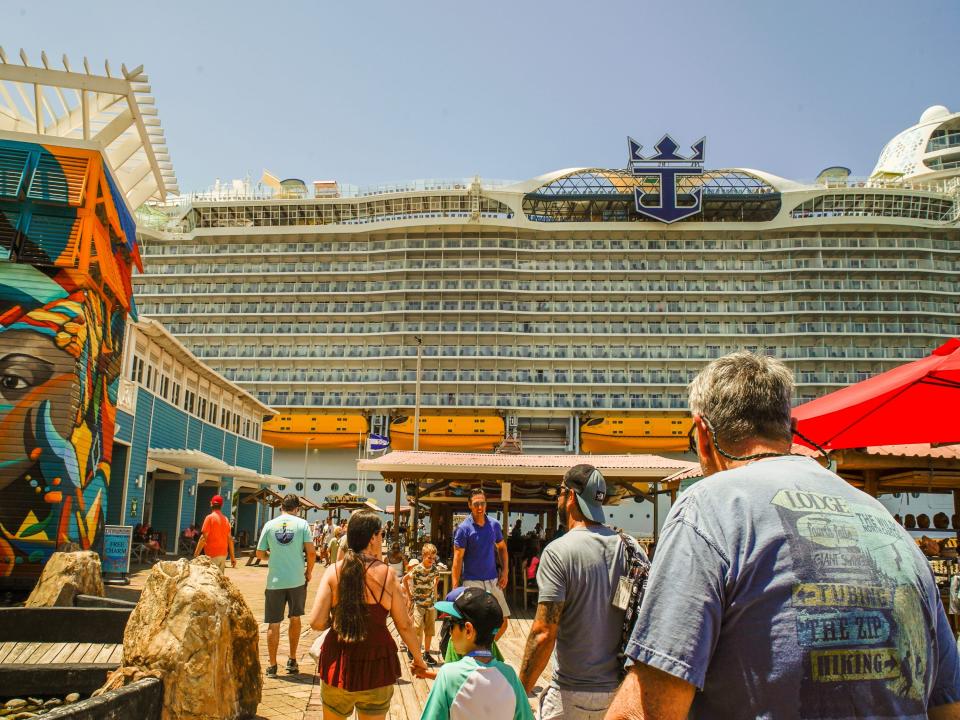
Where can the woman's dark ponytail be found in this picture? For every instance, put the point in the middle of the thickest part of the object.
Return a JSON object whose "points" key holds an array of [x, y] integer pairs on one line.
{"points": [[350, 615]]}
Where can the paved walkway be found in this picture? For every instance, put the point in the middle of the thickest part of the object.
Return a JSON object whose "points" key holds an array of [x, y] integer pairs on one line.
{"points": [[297, 697]]}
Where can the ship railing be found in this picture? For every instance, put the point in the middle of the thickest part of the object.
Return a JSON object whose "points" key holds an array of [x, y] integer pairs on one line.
{"points": [[941, 186]]}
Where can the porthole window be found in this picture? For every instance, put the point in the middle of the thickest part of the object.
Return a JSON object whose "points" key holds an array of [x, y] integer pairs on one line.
{"points": [[388, 487], [371, 487], [335, 487], [353, 487], [316, 487], [299, 487]]}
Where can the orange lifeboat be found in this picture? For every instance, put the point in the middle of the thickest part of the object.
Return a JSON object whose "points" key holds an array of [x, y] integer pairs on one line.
{"points": [[296, 430], [635, 434], [451, 433]]}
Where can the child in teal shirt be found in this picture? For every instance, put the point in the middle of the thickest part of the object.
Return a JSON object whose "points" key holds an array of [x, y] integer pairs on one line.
{"points": [[478, 685]]}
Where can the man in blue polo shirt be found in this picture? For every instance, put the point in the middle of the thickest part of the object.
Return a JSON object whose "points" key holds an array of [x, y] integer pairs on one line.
{"points": [[475, 544]]}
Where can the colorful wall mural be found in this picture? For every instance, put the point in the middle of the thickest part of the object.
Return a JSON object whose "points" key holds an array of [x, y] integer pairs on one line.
{"points": [[67, 249]]}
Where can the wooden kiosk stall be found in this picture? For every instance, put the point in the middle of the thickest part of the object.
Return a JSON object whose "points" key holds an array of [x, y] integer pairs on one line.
{"points": [[514, 483]]}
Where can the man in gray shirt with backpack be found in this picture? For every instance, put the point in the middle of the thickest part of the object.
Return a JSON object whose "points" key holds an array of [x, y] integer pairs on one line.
{"points": [[579, 578]]}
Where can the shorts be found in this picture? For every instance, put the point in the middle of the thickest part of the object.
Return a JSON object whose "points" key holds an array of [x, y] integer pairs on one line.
{"points": [[375, 701], [557, 704], [220, 561], [294, 598], [491, 587], [424, 620]]}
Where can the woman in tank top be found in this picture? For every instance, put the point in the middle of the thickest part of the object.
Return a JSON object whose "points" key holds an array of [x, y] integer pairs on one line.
{"points": [[358, 661]]}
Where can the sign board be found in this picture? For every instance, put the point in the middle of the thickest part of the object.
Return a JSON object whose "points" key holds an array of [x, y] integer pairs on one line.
{"points": [[117, 543], [672, 170]]}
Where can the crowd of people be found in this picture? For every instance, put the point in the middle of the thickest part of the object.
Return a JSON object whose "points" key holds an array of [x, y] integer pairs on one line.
{"points": [[778, 591]]}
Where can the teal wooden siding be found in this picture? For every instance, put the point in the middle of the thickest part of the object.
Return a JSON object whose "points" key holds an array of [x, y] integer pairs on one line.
{"points": [[230, 448], [194, 434], [158, 424], [139, 444], [123, 430], [169, 426], [248, 454], [266, 464], [188, 502], [212, 441]]}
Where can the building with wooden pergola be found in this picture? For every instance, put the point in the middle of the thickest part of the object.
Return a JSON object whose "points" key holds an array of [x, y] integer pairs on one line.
{"points": [[519, 483]]}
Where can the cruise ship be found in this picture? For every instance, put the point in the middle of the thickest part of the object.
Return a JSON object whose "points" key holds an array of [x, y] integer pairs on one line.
{"points": [[565, 313]]}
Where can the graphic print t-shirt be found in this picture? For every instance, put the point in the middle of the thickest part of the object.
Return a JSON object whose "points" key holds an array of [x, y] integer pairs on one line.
{"points": [[284, 537], [425, 585], [783, 592]]}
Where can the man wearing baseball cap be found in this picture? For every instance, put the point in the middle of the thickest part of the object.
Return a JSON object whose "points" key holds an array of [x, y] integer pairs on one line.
{"points": [[576, 619], [478, 685], [216, 539]]}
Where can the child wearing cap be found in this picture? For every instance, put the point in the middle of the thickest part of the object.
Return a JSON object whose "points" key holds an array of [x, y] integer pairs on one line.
{"points": [[478, 685], [447, 650]]}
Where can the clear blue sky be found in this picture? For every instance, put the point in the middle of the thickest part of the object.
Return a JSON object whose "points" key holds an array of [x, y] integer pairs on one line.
{"points": [[369, 92]]}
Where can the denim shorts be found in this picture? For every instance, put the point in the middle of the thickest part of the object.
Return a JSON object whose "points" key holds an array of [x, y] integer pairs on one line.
{"points": [[375, 701]]}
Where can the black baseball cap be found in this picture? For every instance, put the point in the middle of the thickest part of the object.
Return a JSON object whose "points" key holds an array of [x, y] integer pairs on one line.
{"points": [[478, 607]]}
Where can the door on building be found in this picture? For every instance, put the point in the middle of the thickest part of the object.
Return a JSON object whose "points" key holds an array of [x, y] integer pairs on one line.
{"points": [[247, 521], [147, 514], [118, 478], [163, 500], [205, 493]]}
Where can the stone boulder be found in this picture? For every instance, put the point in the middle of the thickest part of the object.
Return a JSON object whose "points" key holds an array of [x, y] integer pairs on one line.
{"points": [[193, 629], [66, 575]]}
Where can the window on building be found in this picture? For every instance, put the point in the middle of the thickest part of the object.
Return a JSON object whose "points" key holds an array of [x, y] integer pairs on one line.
{"points": [[316, 487], [299, 487], [136, 371], [353, 487], [388, 487], [335, 487]]}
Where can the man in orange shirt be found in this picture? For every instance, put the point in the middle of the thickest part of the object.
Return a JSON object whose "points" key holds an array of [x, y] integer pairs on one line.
{"points": [[216, 538]]}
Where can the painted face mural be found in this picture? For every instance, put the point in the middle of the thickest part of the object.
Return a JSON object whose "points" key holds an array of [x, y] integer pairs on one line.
{"points": [[61, 333]]}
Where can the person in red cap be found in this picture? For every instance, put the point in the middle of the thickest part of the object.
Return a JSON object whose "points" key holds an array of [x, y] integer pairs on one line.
{"points": [[215, 537]]}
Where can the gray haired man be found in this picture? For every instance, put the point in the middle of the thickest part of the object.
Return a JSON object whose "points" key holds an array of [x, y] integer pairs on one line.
{"points": [[778, 590]]}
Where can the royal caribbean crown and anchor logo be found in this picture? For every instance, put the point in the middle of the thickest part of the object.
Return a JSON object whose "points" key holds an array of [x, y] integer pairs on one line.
{"points": [[670, 167]]}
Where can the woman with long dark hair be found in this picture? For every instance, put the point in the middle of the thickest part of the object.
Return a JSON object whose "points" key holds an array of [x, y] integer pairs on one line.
{"points": [[358, 661]]}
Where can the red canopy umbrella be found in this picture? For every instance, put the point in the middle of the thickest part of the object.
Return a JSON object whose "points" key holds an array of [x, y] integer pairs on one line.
{"points": [[915, 403]]}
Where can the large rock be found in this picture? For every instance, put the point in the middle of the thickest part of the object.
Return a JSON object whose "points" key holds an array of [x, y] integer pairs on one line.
{"points": [[66, 575], [193, 629]]}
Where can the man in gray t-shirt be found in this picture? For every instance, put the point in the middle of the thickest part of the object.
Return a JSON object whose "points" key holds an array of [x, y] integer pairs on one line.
{"points": [[575, 619], [778, 590]]}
